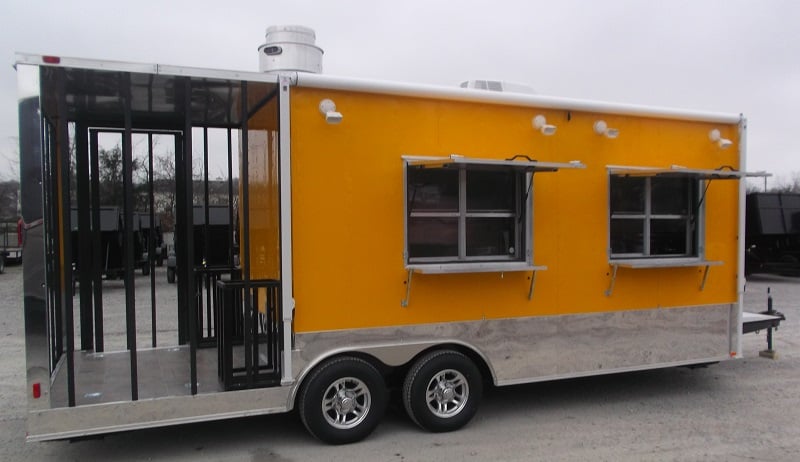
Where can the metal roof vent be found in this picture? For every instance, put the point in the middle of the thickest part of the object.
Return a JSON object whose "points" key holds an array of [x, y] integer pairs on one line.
{"points": [[498, 85], [290, 48]]}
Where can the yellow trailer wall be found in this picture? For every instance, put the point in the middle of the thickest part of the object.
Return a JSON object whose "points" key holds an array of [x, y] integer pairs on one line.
{"points": [[347, 194]]}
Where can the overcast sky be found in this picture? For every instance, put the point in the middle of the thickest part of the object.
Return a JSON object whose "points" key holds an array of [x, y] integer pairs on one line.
{"points": [[733, 56]]}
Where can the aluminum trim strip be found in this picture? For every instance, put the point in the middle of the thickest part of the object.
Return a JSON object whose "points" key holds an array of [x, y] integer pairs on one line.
{"points": [[755, 317], [97, 419], [85, 63], [32, 152], [184, 71], [528, 349], [736, 336], [614, 371], [285, 182], [145, 68]]}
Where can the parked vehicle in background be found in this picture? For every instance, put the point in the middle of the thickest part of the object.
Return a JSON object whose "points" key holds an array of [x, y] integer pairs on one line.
{"points": [[10, 243]]}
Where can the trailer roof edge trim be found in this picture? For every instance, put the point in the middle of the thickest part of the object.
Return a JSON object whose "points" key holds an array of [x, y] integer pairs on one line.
{"points": [[143, 68], [677, 170], [385, 87], [324, 81]]}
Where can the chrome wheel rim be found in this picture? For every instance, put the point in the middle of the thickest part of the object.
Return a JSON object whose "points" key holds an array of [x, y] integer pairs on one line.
{"points": [[346, 403], [447, 393]]}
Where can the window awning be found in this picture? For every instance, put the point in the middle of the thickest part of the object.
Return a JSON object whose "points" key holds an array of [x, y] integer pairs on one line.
{"points": [[524, 163], [722, 173]]}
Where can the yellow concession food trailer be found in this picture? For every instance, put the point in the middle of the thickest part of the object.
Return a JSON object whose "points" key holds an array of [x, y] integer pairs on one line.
{"points": [[434, 239]]}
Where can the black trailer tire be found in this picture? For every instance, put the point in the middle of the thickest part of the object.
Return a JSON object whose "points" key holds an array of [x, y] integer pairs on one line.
{"points": [[442, 391], [171, 275], [343, 400]]}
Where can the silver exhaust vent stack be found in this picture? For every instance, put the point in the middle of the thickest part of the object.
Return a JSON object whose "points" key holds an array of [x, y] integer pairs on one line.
{"points": [[290, 48]]}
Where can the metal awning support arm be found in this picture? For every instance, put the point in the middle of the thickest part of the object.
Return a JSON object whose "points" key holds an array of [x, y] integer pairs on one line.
{"points": [[404, 302], [645, 263], [705, 278], [610, 289], [533, 281]]}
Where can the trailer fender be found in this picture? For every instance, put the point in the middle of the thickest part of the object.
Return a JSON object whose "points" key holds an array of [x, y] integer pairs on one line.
{"points": [[388, 355]]}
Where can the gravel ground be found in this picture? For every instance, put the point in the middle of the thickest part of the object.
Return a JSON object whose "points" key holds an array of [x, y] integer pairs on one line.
{"points": [[746, 409]]}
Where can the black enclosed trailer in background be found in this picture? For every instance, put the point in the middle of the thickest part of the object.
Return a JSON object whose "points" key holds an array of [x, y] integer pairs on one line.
{"points": [[773, 233], [151, 232], [112, 262], [211, 229]]}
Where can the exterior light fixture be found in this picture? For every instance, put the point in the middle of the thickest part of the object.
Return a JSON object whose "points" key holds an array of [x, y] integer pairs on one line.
{"points": [[715, 137], [540, 123], [328, 109], [602, 128]]}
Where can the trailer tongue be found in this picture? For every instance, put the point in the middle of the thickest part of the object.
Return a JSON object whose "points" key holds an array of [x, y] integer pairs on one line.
{"points": [[769, 320]]}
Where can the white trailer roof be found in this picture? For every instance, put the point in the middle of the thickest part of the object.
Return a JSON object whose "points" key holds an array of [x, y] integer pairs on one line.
{"points": [[504, 98], [386, 87]]}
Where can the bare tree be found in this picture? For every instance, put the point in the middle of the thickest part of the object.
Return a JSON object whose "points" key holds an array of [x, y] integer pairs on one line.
{"points": [[9, 200], [792, 185], [111, 176], [10, 159], [164, 188]]}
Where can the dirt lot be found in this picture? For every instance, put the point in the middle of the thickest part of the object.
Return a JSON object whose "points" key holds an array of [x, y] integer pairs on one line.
{"points": [[746, 409]]}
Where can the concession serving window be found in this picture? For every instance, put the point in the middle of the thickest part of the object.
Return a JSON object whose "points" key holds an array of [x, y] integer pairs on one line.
{"points": [[657, 217], [470, 215]]}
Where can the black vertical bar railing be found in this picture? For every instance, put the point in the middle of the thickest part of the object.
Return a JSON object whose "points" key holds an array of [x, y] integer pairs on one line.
{"points": [[231, 250], [188, 269], [96, 234], [245, 242], [206, 228], [82, 234], [151, 238], [182, 235], [56, 315], [55, 262], [65, 283], [127, 207], [206, 307], [234, 297], [255, 303], [270, 330], [84, 238]]}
